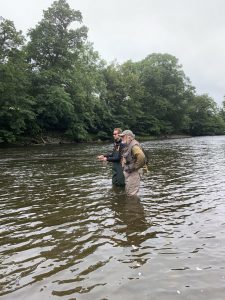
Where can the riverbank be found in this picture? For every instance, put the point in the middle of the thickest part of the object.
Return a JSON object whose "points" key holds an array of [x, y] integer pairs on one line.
{"points": [[54, 138]]}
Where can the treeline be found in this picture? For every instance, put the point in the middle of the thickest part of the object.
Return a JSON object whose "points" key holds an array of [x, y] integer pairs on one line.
{"points": [[55, 82]]}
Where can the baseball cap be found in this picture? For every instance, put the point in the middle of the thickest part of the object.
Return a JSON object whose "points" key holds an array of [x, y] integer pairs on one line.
{"points": [[127, 132]]}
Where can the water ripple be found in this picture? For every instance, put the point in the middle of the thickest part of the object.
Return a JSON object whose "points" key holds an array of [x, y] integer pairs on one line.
{"points": [[65, 233]]}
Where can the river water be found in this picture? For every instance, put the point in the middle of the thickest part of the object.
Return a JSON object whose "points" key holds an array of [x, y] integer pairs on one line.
{"points": [[66, 234]]}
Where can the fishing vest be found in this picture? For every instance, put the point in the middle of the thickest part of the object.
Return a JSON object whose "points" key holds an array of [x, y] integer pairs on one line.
{"points": [[127, 154]]}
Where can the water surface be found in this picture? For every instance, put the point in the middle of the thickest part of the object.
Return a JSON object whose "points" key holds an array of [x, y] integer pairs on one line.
{"points": [[66, 234]]}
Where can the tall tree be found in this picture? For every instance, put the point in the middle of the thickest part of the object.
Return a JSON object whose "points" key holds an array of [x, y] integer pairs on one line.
{"points": [[53, 43], [87, 88], [53, 51], [15, 101], [167, 92], [124, 91]]}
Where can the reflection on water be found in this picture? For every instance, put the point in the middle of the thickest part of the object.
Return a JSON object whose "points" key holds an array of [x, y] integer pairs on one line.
{"points": [[130, 218], [66, 234]]}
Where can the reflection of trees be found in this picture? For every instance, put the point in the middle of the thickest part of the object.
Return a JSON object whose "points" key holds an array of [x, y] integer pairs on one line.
{"points": [[130, 212]]}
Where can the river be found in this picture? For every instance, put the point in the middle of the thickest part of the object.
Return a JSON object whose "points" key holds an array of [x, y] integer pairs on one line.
{"points": [[66, 234]]}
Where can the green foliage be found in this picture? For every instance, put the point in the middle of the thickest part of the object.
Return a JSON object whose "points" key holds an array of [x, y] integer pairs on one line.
{"points": [[77, 132], [7, 136], [10, 41], [58, 82], [52, 43], [204, 117], [16, 104], [102, 135], [166, 91], [67, 81], [222, 111], [54, 108], [123, 91]]}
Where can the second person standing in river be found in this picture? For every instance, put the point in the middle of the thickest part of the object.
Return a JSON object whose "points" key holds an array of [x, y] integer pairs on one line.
{"points": [[115, 158]]}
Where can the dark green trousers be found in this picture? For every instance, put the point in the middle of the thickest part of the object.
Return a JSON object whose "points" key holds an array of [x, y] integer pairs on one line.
{"points": [[117, 175]]}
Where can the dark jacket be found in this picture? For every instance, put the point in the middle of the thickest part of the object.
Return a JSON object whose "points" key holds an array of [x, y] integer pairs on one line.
{"points": [[115, 159], [115, 156]]}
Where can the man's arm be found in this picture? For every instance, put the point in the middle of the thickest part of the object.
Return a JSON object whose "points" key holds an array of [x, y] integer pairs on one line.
{"points": [[139, 157]]}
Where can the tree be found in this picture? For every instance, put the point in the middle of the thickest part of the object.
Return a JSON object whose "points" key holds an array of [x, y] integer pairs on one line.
{"points": [[53, 52], [222, 110], [57, 82], [87, 88], [52, 43], [204, 116], [123, 90], [167, 92], [15, 101]]}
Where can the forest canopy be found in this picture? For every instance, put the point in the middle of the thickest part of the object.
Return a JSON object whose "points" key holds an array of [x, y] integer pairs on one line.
{"points": [[53, 80]]}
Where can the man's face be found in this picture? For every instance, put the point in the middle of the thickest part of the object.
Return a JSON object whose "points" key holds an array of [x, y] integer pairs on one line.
{"points": [[124, 139], [115, 135]]}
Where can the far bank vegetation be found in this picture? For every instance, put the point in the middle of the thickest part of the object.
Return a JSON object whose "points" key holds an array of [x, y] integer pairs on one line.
{"points": [[54, 81]]}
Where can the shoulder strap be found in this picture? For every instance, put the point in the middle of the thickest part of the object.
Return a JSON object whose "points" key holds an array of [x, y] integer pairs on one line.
{"points": [[132, 144]]}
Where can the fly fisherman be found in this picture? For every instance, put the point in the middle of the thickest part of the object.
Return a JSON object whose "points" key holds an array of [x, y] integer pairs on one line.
{"points": [[115, 159], [133, 159]]}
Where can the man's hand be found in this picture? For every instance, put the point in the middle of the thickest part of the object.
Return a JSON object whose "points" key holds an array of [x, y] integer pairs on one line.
{"points": [[101, 158]]}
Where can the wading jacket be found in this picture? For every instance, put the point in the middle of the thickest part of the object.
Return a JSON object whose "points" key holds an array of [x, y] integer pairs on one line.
{"points": [[115, 156], [133, 157]]}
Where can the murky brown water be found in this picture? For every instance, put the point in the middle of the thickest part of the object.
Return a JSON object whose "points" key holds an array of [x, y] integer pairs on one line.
{"points": [[65, 234]]}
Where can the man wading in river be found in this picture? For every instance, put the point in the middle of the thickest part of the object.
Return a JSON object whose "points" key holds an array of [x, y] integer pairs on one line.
{"points": [[115, 159], [133, 159]]}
